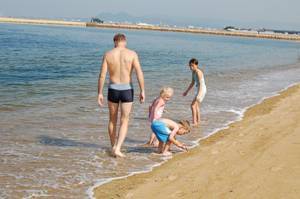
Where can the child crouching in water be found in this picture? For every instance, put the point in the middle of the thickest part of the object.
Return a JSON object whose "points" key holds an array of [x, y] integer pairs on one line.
{"points": [[156, 110], [166, 130]]}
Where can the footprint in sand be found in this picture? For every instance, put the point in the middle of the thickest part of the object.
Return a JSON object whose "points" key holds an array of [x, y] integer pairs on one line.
{"points": [[129, 195], [220, 142], [214, 152], [242, 152], [177, 194], [276, 168], [172, 177]]}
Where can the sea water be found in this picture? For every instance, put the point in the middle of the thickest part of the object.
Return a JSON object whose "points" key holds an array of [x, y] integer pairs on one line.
{"points": [[54, 141]]}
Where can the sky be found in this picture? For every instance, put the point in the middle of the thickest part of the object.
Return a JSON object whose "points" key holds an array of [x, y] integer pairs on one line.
{"points": [[278, 14]]}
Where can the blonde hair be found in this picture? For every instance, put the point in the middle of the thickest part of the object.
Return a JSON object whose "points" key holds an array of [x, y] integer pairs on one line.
{"points": [[185, 125], [166, 91]]}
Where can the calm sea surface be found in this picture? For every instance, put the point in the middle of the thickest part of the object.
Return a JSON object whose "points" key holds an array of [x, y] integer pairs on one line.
{"points": [[54, 141]]}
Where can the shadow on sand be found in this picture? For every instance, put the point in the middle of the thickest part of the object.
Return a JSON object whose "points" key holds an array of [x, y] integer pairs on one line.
{"points": [[63, 142]]}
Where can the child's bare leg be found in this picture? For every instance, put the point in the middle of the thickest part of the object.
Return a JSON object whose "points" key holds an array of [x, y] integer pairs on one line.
{"points": [[152, 141], [160, 147], [152, 138], [194, 112], [166, 150], [198, 112]]}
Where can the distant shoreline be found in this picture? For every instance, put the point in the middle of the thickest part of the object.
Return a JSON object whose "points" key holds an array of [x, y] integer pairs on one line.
{"points": [[150, 27], [40, 21]]}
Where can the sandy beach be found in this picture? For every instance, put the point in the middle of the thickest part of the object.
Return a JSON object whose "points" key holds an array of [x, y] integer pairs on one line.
{"points": [[40, 21], [257, 157], [150, 27]]}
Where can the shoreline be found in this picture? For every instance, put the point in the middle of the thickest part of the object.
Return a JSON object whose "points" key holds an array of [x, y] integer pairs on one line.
{"points": [[126, 187], [204, 31], [41, 22]]}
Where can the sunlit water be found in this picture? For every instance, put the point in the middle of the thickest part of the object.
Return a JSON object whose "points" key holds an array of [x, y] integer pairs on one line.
{"points": [[54, 140]]}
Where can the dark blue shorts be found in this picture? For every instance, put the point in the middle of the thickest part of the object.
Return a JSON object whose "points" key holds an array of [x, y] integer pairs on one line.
{"points": [[117, 96]]}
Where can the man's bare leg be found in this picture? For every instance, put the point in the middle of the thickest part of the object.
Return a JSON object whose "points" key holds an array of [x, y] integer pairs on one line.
{"points": [[112, 125], [125, 113]]}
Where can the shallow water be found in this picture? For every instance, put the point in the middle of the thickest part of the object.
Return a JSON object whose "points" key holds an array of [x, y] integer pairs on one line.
{"points": [[54, 139]]}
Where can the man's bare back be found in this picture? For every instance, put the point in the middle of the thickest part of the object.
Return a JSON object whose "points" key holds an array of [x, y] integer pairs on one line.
{"points": [[120, 63]]}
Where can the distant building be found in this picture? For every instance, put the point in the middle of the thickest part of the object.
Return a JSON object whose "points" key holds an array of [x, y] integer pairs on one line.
{"points": [[231, 28], [96, 20]]}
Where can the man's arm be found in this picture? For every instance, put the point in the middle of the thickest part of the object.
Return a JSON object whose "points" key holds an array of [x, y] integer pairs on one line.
{"points": [[101, 81], [140, 77]]}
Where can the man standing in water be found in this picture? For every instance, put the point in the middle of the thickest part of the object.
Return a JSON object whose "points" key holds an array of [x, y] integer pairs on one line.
{"points": [[119, 62]]}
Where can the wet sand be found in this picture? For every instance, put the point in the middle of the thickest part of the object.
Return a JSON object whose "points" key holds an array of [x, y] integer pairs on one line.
{"points": [[206, 31], [257, 157]]}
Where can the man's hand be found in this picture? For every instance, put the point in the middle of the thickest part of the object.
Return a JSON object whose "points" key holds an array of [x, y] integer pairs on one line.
{"points": [[100, 100], [142, 97], [184, 94]]}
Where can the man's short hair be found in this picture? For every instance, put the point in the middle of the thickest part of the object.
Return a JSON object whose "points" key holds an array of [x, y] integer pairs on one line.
{"points": [[193, 61], [119, 37]]}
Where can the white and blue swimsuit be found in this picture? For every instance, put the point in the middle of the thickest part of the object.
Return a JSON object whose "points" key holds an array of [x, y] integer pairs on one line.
{"points": [[198, 83]]}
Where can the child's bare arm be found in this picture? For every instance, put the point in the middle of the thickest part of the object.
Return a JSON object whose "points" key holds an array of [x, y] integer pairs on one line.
{"points": [[177, 143], [174, 126], [189, 88]]}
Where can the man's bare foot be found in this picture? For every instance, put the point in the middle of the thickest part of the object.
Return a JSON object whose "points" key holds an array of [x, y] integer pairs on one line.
{"points": [[119, 154], [166, 153], [113, 149]]}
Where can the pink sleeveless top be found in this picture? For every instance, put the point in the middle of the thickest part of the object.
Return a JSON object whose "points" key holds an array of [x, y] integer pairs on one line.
{"points": [[158, 114]]}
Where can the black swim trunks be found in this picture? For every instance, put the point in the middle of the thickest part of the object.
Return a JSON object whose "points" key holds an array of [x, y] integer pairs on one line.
{"points": [[120, 93]]}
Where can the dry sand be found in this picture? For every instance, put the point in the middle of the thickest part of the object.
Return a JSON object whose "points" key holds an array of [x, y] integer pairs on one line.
{"points": [[258, 157]]}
